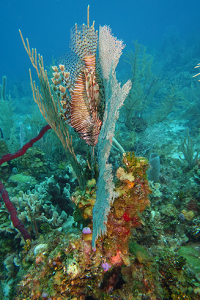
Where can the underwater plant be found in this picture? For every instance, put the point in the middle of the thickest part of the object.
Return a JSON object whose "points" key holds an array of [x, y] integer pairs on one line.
{"points": [[188, 149]]}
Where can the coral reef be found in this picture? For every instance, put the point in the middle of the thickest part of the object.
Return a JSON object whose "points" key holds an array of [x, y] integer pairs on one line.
{"points": [[13, 213], [12, 210], [36, 211], [70, 266], [145, 234]]}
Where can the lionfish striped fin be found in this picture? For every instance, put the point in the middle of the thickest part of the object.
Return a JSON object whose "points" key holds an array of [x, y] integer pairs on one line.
{"points": [[83, 40], [80, 93]]}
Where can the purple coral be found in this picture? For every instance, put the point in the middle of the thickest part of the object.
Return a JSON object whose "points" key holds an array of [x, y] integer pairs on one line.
{"points": [[86, 230], [106, 266]]}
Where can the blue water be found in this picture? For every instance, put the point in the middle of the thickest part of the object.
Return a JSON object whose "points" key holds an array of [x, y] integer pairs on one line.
{"points": [[47, 22]]}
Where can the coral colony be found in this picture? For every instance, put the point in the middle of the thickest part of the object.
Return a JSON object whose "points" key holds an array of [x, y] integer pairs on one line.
{"points": [[96, 255], [13, 213]]}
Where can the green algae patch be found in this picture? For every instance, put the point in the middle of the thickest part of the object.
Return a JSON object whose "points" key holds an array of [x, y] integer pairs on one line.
{"points": [[138, 251], [192, 257], [23, 181], [21, 178]]}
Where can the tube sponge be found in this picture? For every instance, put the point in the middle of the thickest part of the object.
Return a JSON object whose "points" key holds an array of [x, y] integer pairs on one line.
{"points": [[155, 167]]}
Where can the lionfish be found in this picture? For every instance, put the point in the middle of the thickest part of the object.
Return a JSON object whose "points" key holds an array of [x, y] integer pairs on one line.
{"points": [[77, 81]]}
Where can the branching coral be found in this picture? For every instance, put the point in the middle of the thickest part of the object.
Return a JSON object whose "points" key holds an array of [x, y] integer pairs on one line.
{"points": [[50, 108], [188, 150], [8, 128], [148, 92], [69, 266], [144, 82], [13, 213]]}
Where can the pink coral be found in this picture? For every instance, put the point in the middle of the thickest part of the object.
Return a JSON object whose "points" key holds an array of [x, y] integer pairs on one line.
{"points": [[86, 230], [106, 266]]}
